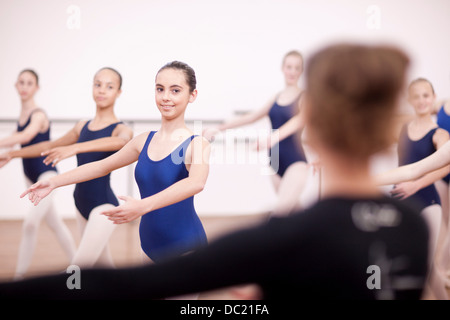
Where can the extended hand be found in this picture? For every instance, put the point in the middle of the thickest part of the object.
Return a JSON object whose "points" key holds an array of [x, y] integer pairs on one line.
{"points": [[126, 212], [404, 190], [57, 154], [4, 159], [38, 191]]}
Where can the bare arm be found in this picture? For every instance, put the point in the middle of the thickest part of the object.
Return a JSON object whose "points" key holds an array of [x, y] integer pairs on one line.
{"points": [[125, 156], [248, 118], [36, 150], [37, 123], [181, 190], [406, 189], [438, 160], [120, 136], [293, 125]]}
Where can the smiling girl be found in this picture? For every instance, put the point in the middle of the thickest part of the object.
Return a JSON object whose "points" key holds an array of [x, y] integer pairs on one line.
{"points": [[172, 166], [419, 139]]}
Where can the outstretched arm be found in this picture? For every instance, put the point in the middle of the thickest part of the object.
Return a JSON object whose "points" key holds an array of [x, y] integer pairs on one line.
{"points": [[405, 189], [35, 150], [248, 118], [120, 136], [437, 160], [125, 156], [37, 123]]}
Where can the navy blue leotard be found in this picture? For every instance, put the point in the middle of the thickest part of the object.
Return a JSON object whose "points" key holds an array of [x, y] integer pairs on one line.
{"points": [[175, 229], [410, 151], [288, 150], [34, 167], [443, 121], [93, 193]]}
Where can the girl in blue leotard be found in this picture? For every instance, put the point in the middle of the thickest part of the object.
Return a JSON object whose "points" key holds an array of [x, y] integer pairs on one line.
{"points": [[287, 158], [91, 141], [419, 139], [442, 110], [172, 166], [34, 127]]}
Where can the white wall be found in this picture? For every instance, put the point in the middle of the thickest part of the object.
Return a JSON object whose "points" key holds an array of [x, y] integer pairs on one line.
{"points": [[235, 47]]}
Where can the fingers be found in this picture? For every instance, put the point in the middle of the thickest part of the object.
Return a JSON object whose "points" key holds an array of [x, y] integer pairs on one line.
{"points": [[31, 189], [398, 194], [124, 198], [51, 159], [25, 193], [116, 215]]}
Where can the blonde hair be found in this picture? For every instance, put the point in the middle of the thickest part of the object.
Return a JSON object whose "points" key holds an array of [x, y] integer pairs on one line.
{"points": [[294, 53], [418, 80]]}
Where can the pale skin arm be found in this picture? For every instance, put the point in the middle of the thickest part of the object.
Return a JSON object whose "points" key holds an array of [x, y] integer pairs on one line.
{"points": [[37, 123], [295, 124], [248, 118], [125, 156], [405, 189], [438, 160], [438, 104], [183, 189], [36, 150], [120, 136]]}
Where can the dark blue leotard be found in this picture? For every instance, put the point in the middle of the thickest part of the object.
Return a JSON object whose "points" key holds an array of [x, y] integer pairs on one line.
{"points": [[288, 150], [443, 121], [410, 151], [175, 229], [93, 193], [34, 167]]}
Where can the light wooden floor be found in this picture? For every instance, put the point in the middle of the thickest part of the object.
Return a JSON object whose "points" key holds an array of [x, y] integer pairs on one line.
{"points": [[124, 243]]}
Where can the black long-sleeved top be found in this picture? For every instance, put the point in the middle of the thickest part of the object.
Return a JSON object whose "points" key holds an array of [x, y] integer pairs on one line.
{"points": [[340, 248]]}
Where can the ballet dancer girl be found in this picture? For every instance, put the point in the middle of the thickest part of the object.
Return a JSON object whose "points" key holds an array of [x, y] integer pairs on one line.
{"points": [[33, 127], [90, 141], [418, 139], [172, 166], [442, 110], [287, 156], [325, 252]]}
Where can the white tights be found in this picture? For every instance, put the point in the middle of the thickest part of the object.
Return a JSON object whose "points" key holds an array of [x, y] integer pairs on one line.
{"points": [[95, 233], [433, 216], [30, 228], [289, 188]]}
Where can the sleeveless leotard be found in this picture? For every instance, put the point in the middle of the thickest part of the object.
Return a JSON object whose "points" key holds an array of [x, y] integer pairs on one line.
{"points": [[34, 167], [93, 193], [410, 151], [175, 229], [289, 150], [443, 121]]}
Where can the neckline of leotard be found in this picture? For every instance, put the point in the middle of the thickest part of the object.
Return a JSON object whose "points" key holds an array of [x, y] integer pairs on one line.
{"points": [[152, 133], [289, 104], [87, 126], [424, 136]]}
